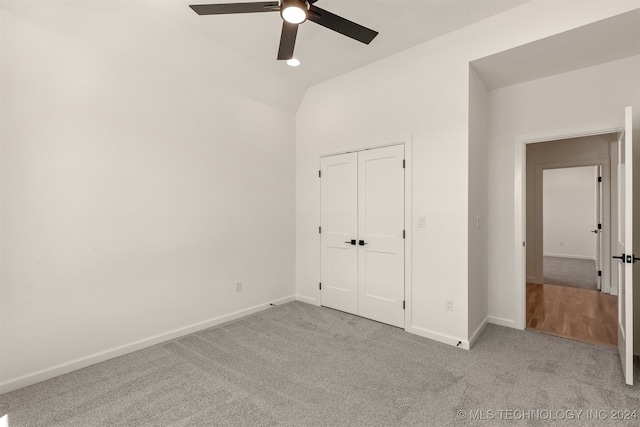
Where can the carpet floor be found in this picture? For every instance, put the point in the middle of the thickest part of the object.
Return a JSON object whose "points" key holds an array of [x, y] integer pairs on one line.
{"points": [[577, 273], [301, 365]]}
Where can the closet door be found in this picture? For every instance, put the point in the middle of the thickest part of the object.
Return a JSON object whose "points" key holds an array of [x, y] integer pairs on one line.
{"points": [[339, 222], [381, 234]]}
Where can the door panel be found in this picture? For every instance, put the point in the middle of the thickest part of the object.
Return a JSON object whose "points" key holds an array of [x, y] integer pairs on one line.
{"points": [[379, 272], [339, 222], [380, 226], [598, 229], [625, 246]]}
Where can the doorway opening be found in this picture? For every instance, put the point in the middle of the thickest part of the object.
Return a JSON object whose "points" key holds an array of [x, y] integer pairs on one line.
{"points": [[621, 206], [570, 291], [572, 208]]}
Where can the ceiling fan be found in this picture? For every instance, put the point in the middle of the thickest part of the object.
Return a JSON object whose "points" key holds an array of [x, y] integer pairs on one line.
{"points": [[294, 13]]}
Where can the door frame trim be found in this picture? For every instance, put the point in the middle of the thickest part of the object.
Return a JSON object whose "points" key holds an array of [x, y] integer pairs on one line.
{"points": [[380, 142], [519, 200]]}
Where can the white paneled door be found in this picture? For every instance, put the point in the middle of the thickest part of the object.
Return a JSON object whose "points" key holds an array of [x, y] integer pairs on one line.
{"points": [[362, 234], [339, 231], [380, 229], [625, 248], [598, 229]]}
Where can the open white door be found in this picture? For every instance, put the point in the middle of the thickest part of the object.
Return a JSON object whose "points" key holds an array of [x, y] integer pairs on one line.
{"points": [[339, 231], [598, 229], [625, 248]]}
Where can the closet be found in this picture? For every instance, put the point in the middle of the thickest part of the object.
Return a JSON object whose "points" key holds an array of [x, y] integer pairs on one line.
{"points": [[362, 233]]}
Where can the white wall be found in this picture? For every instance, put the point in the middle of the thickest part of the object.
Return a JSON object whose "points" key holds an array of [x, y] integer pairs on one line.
{"points": [[395, 98], [569, 212], [133, 199], [425, 91], [585, 97], [478, 206]]}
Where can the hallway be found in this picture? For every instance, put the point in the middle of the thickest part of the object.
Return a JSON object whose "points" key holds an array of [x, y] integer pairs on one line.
{"points": [[578, 314]]}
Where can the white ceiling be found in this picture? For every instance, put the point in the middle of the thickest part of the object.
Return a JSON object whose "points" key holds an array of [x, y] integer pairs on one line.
{"points": [[603, 41], [324, 53], [239, 51]]}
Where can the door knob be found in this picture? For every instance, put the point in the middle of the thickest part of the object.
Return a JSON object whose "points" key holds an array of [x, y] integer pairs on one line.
{"points": [[352, 242], [361, 242], [594, 231], [621, 258]]}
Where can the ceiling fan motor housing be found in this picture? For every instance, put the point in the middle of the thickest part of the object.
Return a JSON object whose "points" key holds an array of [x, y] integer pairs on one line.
{"points": [[294, 11]]}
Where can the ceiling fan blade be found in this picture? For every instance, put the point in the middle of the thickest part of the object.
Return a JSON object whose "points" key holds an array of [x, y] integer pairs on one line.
{"points": [[226, 8], [341, 25], [287, 40]]}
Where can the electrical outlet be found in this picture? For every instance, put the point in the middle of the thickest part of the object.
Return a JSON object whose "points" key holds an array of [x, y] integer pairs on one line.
{"points": [[448, 304], [238, 286]]}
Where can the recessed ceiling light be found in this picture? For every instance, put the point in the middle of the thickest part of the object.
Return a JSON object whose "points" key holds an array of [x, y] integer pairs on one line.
{"points": [[293, 62], [294, 11]]}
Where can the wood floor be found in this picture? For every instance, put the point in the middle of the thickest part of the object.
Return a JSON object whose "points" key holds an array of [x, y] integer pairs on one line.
{"points": [[578, 314]]}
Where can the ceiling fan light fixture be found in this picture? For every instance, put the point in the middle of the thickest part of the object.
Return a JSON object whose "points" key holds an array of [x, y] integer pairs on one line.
{"points": [[293, 62], [294, 11]]}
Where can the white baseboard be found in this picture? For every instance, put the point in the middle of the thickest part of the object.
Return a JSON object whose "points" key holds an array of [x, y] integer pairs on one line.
{"points": [[474, 336], [532, 279], [74, 365], [590, 258], [509, 323], [436, 336], [307, 300]]}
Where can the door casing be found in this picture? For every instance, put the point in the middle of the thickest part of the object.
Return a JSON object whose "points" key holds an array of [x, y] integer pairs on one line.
{"points": [[519, 204], [369, 144]]}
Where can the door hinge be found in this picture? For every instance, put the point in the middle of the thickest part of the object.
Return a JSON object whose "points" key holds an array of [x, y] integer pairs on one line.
{"points": [[404, 305], [599, 179], [599, 226], [523, 244], [319, 230], [404, 165], [320, 286], [599, 273], [319, 174], [404, 234]]}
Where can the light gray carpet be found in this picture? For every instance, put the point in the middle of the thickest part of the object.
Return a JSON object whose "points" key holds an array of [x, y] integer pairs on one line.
{"points": [[577, 273], [300, 365]]}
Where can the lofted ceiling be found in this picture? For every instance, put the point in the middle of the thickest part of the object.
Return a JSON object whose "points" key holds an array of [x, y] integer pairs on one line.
{"points": [[239, 51], [325, 54]]}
